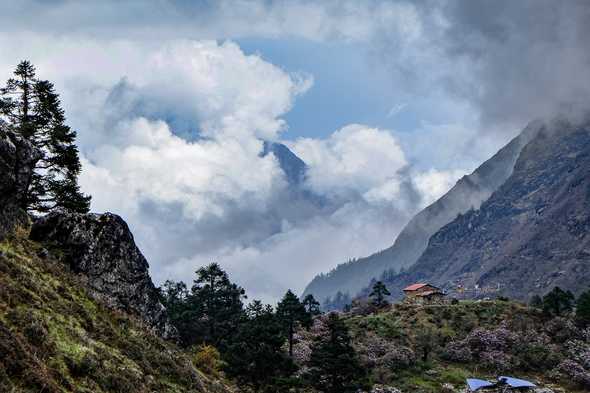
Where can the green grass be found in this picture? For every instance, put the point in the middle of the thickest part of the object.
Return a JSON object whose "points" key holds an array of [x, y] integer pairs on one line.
{"points": [[402, 323], [56, 338]]}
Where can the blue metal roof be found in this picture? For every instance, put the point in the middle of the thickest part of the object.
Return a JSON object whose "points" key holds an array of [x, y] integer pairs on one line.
{"points": [[476, 384], [516, 383]]}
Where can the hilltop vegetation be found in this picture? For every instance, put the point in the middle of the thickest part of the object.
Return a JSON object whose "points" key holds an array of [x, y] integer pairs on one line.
{"points": [[54, 337], [422, 349]]}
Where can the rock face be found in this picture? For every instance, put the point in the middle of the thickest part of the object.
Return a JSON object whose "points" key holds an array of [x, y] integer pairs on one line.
{"points": [[101, 247], [533, 233], [17, 162], [469, 192]]}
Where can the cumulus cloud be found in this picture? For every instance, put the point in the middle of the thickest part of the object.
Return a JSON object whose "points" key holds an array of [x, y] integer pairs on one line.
{"points": [[355, 158], [171, 116]]}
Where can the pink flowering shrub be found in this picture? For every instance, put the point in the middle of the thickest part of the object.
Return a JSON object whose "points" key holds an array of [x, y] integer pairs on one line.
{"points": [[304, 338], [575, 372], [375, 351]]}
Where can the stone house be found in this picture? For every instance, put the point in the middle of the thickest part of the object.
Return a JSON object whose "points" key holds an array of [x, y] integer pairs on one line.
{"points": [[423, 293]]}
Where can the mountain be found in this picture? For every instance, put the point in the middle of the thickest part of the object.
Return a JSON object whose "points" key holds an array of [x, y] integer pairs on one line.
{"points": [[293, 167], [532, 234], [78, 309], [469, 192]]}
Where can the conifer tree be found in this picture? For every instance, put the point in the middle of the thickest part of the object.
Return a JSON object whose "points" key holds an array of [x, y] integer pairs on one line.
{"points": [[557, 302], [218, 305], [255, 358], [291, 311], [311, 305], [32, 108], [175, 297], [333, 364], [536, 302], [378, 294], [583, 309]]}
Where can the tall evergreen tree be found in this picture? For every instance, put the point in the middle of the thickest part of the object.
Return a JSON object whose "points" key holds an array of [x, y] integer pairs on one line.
{"points": [[311, 305], [557, 302], [536, 302], [218, 305], [378, 294], [255, 358], [583, 309], [333, 364], [291, 311], [175, 297], [32, 108]]}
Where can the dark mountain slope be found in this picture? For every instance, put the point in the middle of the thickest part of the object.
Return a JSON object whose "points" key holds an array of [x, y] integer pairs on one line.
{"points": [[293, 166], [530, 235], [470, 191]]}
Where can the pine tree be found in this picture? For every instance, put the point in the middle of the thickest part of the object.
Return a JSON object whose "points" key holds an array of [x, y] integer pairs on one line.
{"points": [[557, 302], [333, 364], [536, 302], [378, 294], [175, 297], [290, 311], [255, 358], [311, 305], [32, 108], [218, 305], [583, 309]]}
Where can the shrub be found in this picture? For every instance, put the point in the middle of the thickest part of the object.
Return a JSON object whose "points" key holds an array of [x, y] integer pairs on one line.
{"points": [[375, 351], [575, 371], [208, 359]]}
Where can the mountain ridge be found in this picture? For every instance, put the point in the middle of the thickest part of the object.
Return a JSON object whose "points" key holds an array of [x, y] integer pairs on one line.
{"points": [[530, 235], [470, 191]]}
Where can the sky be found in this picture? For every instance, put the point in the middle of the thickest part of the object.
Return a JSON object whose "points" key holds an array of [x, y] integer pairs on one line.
{"points": [[389, 103]]}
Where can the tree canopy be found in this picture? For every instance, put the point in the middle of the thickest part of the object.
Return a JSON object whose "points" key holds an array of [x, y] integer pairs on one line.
{"points": [[583, 309], [291, 311], [557, 302], [333, 364], [31, 108], [255, 357], [378, 294]]}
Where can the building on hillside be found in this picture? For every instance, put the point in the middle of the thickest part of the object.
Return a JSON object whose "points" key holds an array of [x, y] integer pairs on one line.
{"points": [[423, 294]]}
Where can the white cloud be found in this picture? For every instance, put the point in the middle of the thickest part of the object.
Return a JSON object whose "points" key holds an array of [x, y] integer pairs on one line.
{"points": [[234, 101], [170, 135], [355, 158], [433, 183]]}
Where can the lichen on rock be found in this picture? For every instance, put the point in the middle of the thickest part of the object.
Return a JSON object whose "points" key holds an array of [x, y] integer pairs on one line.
{"points": [[17, 163], [101, 248]]}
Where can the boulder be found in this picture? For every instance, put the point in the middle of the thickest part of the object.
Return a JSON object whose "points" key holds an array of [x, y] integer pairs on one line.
{"points": [[101, 248], [17, 163]]}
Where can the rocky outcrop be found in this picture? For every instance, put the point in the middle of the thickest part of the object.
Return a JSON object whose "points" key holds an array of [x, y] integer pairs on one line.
{"points": [[17, 162], [101, 248]]}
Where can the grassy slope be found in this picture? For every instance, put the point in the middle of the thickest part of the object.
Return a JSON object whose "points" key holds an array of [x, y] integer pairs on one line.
{"points": [[401, 323], [55, 338]]}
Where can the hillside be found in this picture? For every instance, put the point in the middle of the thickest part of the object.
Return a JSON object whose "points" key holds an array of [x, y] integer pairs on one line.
{"points": [[78, 309], [530, 235], [469, 192], [433, 349], [54, 337]]}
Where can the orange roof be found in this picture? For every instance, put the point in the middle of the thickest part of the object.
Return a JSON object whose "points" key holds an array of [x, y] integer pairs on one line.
{"points": [[414, 287]]}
